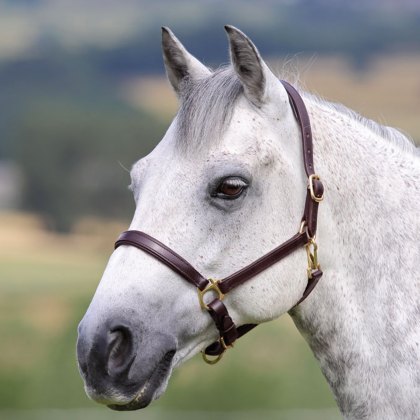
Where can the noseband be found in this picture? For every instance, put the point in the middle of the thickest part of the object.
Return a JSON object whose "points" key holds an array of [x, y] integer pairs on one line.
{"points": [[228, 332]]}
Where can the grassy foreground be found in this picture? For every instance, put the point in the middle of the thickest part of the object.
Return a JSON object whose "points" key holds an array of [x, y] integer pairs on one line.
{"points": [[46, 283]]}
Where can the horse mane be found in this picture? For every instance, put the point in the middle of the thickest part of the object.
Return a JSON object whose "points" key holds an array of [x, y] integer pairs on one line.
{"points": [[402, 141], [206, 107]]}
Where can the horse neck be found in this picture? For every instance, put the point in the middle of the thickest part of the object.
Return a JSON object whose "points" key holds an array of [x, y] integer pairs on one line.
{"points": [[362, 320]]}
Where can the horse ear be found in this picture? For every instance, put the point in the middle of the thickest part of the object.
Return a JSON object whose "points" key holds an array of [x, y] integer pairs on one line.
{"points": [[179, 63], [251, 69]]}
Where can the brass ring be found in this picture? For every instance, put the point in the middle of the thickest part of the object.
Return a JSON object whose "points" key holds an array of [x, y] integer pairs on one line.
{"points": [[213, 285], [211, 361]]}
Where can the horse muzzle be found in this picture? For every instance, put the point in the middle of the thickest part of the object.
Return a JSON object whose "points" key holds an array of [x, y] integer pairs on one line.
{"points": [[123, 367]]}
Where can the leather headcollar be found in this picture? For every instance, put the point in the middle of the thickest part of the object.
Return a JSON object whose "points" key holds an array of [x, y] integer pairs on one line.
{"points": [[228, 332]]}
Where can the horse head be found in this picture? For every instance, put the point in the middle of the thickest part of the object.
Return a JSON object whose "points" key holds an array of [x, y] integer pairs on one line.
{"points": [[225, 185]]}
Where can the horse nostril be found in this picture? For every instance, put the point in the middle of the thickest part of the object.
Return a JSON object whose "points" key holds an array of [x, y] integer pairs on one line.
{"points": [[120, 348]]}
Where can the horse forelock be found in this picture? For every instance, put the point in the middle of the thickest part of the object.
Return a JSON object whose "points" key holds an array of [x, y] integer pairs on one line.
{"points": [[206, 108]]}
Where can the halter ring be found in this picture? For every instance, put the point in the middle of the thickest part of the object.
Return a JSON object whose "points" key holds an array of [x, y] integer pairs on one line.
{"points": [[211, 361], [213, 285], [219, 356]]}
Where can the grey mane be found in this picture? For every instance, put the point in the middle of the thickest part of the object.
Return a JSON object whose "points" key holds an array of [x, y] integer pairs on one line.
{"points": [[206, 107], [390, 134]]}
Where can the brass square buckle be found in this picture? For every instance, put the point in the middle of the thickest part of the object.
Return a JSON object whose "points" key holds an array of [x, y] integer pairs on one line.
{"points": [[311, 188], [212, 286]]}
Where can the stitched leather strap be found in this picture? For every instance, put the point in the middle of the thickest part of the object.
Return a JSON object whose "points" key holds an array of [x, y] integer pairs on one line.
{"points": [[224, 323], [312, 282], [164, 254], [299, 109], [266, 261], [216, 348], [302, 117]]}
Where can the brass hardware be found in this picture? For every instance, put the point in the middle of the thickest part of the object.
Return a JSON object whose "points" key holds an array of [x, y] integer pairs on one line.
{"points": [[225, 346], [213, 285], [302, 227], [211, 361], [312, 257], [218, 357], [311, 188]]}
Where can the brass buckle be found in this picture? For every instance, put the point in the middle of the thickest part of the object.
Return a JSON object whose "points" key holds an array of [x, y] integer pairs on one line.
{"points": [[214, 286], [311, 188], [312, 257]]}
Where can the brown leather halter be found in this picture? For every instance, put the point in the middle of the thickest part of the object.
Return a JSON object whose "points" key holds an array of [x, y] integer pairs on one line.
{"points": [[228, 332]]}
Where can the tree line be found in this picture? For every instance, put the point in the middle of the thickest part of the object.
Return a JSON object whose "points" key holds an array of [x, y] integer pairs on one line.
{"points": [[63, 122]]}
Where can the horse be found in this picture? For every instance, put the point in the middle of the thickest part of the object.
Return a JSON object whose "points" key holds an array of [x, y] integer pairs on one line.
{"points": [[227, 184]]}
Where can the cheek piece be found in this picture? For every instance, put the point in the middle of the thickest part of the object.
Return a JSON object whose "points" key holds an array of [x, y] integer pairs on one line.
{"points": [[228, 331]]}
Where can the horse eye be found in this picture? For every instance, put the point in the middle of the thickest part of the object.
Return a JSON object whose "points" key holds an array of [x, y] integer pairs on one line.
{"points": [[230, 188]]}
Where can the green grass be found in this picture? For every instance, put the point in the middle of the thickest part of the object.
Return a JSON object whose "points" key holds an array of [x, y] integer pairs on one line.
{"points": [[158, 414]]}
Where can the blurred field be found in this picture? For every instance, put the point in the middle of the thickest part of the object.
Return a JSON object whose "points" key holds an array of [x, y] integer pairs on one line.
{"points": [[46, 283], [388, 91]]}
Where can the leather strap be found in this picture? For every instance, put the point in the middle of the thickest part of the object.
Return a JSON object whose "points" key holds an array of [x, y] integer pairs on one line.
{"points": [[164, 254], [216, 348], [224, 323], [301, 114], [302, 117], [312, 282], [228, 332], [266, 261]]}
